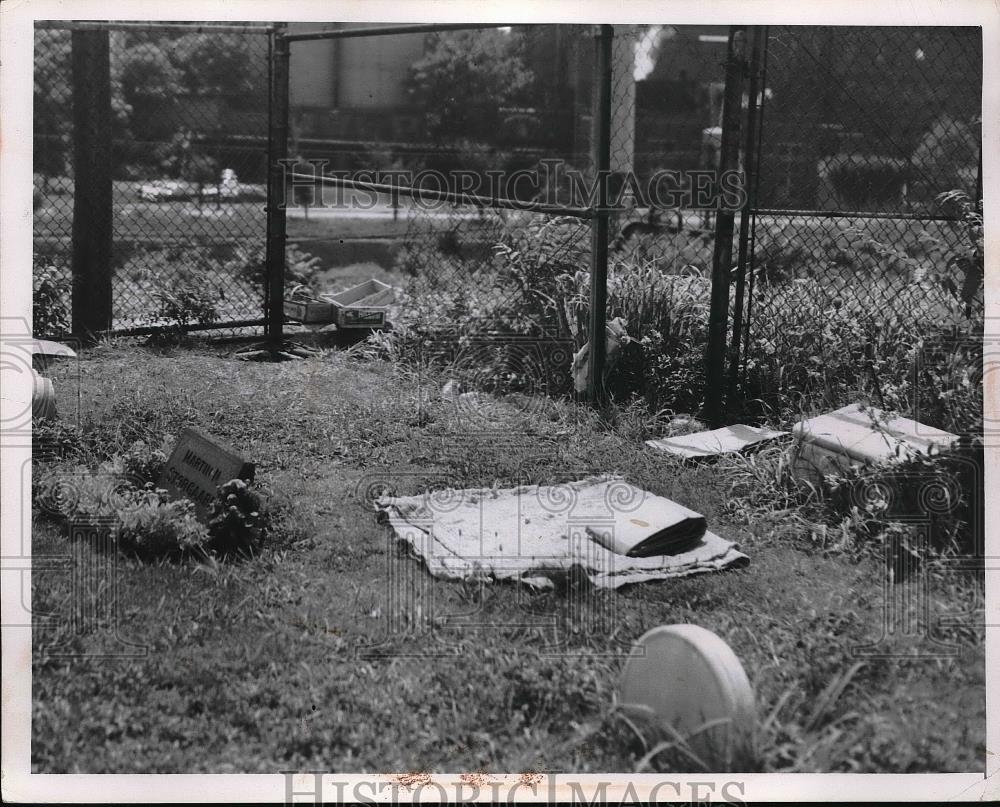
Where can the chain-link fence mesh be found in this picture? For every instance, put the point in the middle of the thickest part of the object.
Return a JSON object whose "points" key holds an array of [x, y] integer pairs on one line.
{"points": [[861, 131], [858, 261], [509, 112], [666, 115], [189, 128], [53, 184], [499, 113]]}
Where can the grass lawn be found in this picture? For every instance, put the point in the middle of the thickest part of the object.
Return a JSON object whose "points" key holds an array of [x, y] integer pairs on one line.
{"points": [[332, 649]]}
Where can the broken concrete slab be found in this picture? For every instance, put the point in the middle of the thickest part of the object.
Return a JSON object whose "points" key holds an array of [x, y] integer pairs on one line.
{"points": [[46, 347], [714, 442], [857, 435]]}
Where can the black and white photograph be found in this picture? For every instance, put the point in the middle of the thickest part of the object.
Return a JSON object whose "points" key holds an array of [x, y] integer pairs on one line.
{"points": [[480, 402]]}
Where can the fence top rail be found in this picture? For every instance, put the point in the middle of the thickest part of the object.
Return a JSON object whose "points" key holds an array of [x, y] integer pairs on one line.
{"points": [[450, 196], [134, 25], [389, 30], [846, 214]]}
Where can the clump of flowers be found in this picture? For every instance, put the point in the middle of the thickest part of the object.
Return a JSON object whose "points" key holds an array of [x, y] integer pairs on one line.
{"points": [[235, 523], [145, 520]]}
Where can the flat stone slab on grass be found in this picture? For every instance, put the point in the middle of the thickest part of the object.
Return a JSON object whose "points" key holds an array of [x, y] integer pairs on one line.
{"points": [[712, 443], [856, 435]]}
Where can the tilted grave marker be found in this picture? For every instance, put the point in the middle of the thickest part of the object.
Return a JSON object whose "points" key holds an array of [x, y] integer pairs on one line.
{"points": [[197, 466]]}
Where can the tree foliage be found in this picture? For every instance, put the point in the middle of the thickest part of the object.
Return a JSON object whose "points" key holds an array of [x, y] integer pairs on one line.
{"points": [[465, 77], [147, 72], [53, 100], [214, 63], [150, 72]]}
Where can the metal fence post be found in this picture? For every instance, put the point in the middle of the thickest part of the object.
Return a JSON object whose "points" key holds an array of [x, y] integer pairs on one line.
{"points": [[601, 159], [715, 354], [92, 192], [749, 187], [278, 99]]}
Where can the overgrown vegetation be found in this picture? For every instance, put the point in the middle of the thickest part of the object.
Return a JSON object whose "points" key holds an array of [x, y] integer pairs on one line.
{"points": [[86, 479], [50, 315], [332, 591], [885, 314]]}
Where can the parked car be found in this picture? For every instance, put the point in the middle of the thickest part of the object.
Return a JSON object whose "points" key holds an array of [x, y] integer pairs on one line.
{"points": [[167, 189]]}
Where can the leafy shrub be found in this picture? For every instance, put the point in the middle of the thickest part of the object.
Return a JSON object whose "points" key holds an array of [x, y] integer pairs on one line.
{"points": [[139, 463], [185, 293], [877, 311], [187, 300], [816, 346], [945, 492], [51, 290], [907, 512], [546, 263], [250, 264], [969, 258], [51, 439], [74, 492], [450, 294]]}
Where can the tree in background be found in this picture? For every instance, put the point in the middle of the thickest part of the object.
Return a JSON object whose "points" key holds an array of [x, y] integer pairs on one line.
{"points": [[151, 84], [215, 63], [53, 103], [465, 77]]}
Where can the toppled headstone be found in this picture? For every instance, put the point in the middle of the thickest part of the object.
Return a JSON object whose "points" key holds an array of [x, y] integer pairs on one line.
{"points": [[712, 443], [687, 682], [197, 466], [856, 435]]}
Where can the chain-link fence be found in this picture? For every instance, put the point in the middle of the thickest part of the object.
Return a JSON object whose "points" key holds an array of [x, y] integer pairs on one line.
{"points": [[509, 113], [865, 210], [189, 129], [458, 164], [476, 142]]}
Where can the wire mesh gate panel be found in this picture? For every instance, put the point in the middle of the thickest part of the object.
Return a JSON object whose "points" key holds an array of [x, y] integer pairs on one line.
{"points": [[861, 257], [189, 107], [460, 166], [511, 113], [441, 159]]}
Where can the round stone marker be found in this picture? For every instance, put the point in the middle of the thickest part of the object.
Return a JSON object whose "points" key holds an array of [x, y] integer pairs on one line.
{"points": [[688, 681]]}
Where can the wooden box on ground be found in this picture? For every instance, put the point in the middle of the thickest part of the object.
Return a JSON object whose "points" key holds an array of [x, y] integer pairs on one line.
{"points": [[857, 435], [363, 306], [313, 311]]}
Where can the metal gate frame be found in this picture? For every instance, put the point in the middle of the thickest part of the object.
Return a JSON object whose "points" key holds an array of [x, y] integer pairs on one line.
{"points": [[93, 214], [728, 404]]}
